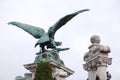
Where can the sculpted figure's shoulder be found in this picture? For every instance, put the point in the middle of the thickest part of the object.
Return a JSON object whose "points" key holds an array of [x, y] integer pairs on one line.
{"points": [[95, 40]]}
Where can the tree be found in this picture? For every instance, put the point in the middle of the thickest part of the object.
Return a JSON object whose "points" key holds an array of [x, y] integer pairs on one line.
{"points": [[43, 71]]}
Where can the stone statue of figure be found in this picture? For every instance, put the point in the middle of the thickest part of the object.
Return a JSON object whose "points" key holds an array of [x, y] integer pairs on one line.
{"points": [[96, 47], [97, 59], [47, 39]]}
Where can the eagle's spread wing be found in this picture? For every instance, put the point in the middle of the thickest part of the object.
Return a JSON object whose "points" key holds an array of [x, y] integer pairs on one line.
{"points": [[34, 31], [62, 22]]}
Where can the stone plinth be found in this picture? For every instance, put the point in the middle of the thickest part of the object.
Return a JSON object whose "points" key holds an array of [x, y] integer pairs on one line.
{"points": [[97, 60], [60, 72]]}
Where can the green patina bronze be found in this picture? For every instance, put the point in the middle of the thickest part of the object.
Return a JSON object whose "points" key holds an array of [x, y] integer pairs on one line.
{"points": [[46, 39], [48, 56]]}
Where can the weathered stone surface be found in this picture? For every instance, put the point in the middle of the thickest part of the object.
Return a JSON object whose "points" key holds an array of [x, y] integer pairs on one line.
{"points": [[97, 59], [60, 72]]}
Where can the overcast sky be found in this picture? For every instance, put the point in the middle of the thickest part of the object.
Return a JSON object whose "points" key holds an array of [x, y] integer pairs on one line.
{"points": [[17, 46]]}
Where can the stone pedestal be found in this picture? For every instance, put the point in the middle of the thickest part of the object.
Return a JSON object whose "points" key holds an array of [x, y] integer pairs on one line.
{"points": [[97, 60], [60, 72], [93, 74], [31, 68], [101, 71]]}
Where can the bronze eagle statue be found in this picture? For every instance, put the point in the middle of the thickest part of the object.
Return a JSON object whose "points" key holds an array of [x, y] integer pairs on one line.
{"points": [[46, 39]]}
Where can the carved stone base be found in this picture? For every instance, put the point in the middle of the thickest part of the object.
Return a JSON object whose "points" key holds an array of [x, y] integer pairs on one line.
{"points": [[60, 72], [97, 60]]}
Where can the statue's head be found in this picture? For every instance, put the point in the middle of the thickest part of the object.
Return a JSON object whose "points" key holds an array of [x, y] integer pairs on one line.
{"points": [[95, 39]]}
